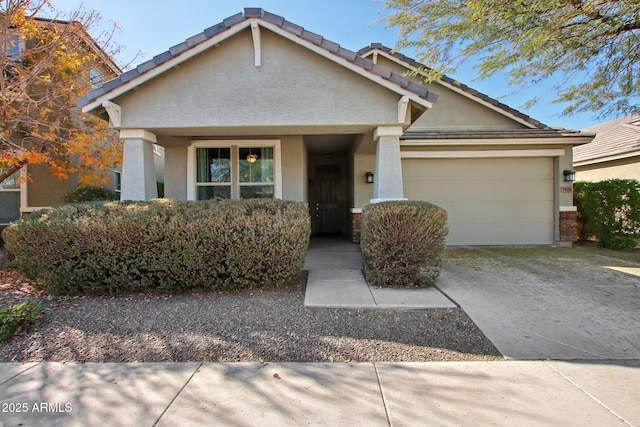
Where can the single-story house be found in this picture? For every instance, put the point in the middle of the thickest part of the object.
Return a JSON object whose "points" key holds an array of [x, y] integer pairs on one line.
{"points": [[257, 106], [613, 154]]}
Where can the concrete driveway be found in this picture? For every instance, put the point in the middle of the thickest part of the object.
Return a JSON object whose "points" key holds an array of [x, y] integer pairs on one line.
{"points": [[548, 303]]}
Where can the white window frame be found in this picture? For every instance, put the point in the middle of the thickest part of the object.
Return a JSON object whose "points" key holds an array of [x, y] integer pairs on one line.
{"points": [[15, 189], [234, 145], [22, 46], [117, 179]]}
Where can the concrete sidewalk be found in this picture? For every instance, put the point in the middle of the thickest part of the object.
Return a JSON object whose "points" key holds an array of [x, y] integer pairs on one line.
{"points": [[504, 393]]}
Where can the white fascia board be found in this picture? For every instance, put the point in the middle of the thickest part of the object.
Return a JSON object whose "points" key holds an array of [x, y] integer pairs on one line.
{"points": [[607, 159], [455, 89], [485, 154], [173, 62], [347, 64], [494, 141]]}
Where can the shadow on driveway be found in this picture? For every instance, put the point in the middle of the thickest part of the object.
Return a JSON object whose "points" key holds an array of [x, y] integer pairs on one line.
{"points": [[548, 303]]}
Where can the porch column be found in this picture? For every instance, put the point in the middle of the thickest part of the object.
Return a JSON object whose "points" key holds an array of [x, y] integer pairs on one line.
{"points": [[387, 182], [138, 169]]}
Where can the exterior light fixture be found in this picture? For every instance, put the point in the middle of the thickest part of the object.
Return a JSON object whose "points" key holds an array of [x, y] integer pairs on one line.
{"points": [[569, 176], [251, 158], [369, 177]]}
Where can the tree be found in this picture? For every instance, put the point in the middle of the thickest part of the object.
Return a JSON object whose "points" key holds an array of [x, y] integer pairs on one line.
{"points": [[47, 64], [591, 46]]}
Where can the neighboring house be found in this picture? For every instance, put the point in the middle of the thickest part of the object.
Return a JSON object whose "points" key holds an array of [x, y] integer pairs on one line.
{"points": [[257, 106], [42, 189], [614, 153]]}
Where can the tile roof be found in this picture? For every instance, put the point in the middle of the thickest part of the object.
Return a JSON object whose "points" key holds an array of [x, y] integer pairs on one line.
{"points": [[258, 13], [486, 98], [619, 136], [491, 134]]}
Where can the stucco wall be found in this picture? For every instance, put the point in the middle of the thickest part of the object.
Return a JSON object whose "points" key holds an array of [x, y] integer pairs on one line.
{"points": [[45, 189], [453, 110], [363, 192], [294, 169], [222, 87], [175, 173], [618, 169]]}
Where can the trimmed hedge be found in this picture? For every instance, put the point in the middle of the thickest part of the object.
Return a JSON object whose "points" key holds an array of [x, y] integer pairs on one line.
{"points": [[402, 243], [87, 193], [610, 211], [161, 246]]}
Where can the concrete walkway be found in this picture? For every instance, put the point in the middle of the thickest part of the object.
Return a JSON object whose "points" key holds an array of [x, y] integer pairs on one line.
{"points": [[335, 280], [504, 393]]}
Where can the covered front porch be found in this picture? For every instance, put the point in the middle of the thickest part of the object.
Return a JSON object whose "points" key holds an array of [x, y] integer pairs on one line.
{"points": [[330, 171]]}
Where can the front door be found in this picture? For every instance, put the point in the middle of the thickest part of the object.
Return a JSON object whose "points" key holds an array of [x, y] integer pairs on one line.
{"points": [[327, 199]]}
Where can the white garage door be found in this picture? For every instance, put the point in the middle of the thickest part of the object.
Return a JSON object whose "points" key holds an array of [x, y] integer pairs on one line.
{"points": [[498, 201]]}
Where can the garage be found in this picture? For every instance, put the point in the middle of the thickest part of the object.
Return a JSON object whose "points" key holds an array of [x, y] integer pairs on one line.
{"points": [[490, 201]]}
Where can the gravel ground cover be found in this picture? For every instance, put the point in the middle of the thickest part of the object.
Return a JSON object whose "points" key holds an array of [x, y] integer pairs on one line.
{"points": [[256, 326]]}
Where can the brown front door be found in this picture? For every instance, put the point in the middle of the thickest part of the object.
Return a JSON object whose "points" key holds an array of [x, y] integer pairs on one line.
{"points": [[327, 199]]}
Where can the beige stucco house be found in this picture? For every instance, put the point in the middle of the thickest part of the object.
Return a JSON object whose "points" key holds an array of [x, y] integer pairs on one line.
{"points": [[614, 152], [34, 187], [257, 106]]}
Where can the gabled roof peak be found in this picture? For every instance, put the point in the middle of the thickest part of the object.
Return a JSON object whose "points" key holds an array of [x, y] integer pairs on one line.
{"points": [[278, 23], [460, 86]]}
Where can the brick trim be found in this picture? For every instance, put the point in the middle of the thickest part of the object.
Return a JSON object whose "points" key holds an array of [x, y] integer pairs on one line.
{"points": [[355, 227], [568, 226]]}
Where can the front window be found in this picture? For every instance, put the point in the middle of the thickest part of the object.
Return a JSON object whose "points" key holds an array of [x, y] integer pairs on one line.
{"points": [[11, 182], [10, 199], [213, 173], [236, 170], [256, 173], [117, 184], [95, 78]]}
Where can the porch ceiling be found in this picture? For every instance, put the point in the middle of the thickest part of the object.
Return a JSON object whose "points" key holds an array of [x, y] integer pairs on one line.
{"points": [[329, 144]]}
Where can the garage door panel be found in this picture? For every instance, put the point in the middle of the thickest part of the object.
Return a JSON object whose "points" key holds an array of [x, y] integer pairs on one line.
{"points": [[489, 201], [473, 233], [500, 169], [521, 212], [479, 190]]}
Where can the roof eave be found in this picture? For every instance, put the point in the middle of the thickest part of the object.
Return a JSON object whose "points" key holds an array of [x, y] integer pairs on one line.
{"points": [[417, 94], [412, 64], [604, 159]]}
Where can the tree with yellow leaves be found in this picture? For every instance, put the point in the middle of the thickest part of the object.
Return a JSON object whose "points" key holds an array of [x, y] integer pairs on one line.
{"points": [[48, 63]]}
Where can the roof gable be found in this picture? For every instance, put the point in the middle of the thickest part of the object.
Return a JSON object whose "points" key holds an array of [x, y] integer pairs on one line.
{"points": [[221, 91], [376, 49], [256, 17]]}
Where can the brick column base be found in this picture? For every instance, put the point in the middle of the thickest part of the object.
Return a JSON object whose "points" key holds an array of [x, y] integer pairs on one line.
{"points": [[568, 226], [355, 227]]}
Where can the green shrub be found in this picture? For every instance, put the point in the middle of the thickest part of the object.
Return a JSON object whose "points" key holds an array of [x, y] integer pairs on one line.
{"points": [[610, 211], [17, 317], [585, 229], [403, 243], [161, 246], [87, 193]]}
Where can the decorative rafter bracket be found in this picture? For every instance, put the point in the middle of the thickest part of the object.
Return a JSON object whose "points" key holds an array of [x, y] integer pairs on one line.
{"points": [[257, 44], [115, 113], [403, 108]]}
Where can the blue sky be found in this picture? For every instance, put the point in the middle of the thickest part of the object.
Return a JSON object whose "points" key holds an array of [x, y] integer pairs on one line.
{"points": [[153, 26]]}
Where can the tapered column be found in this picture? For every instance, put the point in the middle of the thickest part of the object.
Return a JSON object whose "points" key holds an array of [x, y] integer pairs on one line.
{"points": [[138, 170], [387, 184]]}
